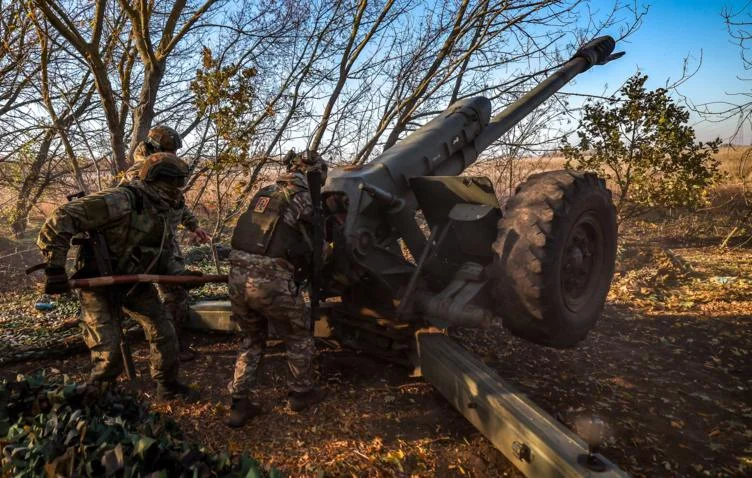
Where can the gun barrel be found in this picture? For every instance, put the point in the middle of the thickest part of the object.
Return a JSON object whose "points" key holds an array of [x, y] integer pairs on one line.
{"points": [[595, 52]]}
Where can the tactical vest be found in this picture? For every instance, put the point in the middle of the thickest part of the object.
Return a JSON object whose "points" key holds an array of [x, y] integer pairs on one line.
{"points": [[260, 229], [149, 239], [141, 238]]}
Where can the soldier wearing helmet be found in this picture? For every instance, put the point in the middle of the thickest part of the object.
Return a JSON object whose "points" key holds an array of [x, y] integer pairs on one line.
{"points": [[305, 162], [175, 298], [164, 138], [134, 222], [159, 139], [271, 250]]}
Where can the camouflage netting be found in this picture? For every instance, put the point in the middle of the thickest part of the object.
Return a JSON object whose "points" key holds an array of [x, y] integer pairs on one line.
{"points": [[203, 253], [52, 427]]}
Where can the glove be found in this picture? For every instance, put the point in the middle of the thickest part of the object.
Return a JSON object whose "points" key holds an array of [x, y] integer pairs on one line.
{"points": [[56, 281], [202, 235]]}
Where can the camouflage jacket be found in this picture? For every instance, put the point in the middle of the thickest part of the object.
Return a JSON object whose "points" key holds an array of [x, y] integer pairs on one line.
{"points": [[183, 216], [299, 212], [135, 224]]}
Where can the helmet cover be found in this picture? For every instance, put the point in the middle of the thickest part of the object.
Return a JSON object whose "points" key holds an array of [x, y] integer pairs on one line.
{"points": [[164, 138], [163, 164]]}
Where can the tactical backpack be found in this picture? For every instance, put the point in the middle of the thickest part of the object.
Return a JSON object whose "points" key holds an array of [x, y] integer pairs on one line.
{"points": [[260, 229]]}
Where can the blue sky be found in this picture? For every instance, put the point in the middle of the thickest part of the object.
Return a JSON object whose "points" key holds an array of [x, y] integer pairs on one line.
{"points": [[673, 30]]}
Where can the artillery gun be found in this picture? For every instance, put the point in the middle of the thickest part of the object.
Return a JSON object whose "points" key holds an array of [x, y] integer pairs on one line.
{"points": [[543, 265], [416, 246]]}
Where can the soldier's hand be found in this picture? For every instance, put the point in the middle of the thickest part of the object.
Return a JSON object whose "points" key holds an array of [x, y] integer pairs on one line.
{"points": [[56, 280], [202, 235]]}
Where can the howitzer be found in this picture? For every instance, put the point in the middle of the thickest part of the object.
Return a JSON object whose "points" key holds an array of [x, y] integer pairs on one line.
{"points": [[543, 265], [415, 245]]}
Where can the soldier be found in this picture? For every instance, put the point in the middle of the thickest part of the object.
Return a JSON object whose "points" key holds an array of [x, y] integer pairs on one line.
{"points": [[134, 223], [174, 297], [269, 245]]}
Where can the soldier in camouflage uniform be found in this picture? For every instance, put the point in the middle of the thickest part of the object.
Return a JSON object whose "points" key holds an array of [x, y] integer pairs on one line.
{"points": [[174, 297], [270, 244], [133, 221]]}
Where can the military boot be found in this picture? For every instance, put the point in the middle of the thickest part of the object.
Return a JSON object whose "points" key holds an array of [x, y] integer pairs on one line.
{"points": [[95, 389], [299, 401], [172, 390], [241, 411], [186, 353]]}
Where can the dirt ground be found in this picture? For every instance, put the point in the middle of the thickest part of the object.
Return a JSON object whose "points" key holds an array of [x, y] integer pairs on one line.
{"points": [[667, 368]]}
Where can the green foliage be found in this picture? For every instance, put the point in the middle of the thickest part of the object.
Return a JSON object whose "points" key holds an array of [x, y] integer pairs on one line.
{"points": [[226, 94], [641, 143], [57, 428]]}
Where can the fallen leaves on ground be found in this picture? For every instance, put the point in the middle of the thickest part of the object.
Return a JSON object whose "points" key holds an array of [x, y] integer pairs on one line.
{"points": [[667, 368]]}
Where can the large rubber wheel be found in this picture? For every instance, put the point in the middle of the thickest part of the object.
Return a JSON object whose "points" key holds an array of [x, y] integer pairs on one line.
{"points": [[555, 254]]}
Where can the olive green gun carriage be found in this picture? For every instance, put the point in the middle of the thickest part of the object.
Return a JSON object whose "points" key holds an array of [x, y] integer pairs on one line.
{"points": [[542, 266]]}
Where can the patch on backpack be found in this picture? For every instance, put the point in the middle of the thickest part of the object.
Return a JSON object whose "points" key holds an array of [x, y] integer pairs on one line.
{"points": [[261, 204]]}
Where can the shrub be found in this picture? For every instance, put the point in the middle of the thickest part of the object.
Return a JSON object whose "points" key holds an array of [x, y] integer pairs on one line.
{"points": [[641, 143]]}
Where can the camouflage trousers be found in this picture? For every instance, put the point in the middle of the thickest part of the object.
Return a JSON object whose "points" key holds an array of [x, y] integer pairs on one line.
{"points": [[175, 297], [263, 294], [175, 301], [102, 332]]}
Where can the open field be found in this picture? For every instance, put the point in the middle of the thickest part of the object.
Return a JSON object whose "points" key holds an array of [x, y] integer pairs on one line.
{"points": [[735, 164]]}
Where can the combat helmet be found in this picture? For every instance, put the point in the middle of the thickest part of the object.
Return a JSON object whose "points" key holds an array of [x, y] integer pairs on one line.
{"points": [[304, 162], [163, 164], [164, 138]]}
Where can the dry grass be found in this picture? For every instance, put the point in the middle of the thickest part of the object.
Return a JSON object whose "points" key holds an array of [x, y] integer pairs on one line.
{"points": [[736, 160], [735, 164]]}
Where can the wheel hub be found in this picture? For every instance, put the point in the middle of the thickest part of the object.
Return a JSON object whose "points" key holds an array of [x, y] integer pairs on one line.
{"points": [[581, 263]]}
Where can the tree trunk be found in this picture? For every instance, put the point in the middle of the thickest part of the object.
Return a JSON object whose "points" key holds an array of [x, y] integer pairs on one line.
{"points": [[143, 113], [104, 87], [25, 198]]}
